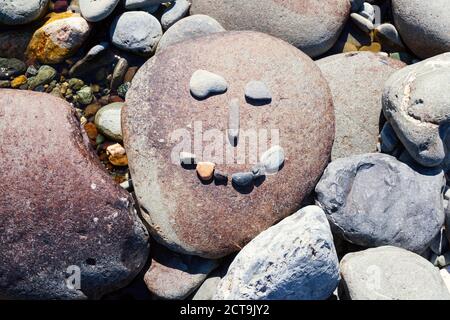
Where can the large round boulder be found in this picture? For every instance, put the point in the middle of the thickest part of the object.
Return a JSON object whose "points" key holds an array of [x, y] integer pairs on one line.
{"points": [[67, 230], [17, 12], [423, 25], [311, 25], [162, 119], [356, 81]]}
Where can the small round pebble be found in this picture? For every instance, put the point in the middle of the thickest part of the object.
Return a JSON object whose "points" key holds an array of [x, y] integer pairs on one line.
{"points": [[174, 13], [204, 83], [242, 179], [273, 159], [108, 121], [258, 91], [136, 31], [205, 170]]}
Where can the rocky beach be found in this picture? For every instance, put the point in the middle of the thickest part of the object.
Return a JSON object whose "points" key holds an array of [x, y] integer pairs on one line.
{"points": [[224, 150]]}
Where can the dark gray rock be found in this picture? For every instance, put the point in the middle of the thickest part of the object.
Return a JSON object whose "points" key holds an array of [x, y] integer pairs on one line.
{"points": [[390, 273], [293, 260], [11, 68], [374, 200]]}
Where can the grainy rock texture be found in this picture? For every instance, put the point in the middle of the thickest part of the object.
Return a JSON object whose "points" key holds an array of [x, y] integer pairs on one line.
{"points": [[293, 260], [311, 25], [176, 276], [60, 210], [357, 81], [205, 219], [16, 12], [390, 273], [423, 25], [416, 102], [375, 200]]}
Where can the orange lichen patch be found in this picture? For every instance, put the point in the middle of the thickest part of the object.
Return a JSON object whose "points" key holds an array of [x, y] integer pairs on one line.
{"points": [[43, 48], [19, 81]]}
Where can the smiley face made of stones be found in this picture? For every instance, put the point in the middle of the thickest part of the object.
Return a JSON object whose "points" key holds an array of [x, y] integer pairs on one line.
{"points": [[204, 84]]}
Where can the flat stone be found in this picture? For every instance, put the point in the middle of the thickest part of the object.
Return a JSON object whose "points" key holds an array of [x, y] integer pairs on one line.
{"points": [[187, 28], [273, 159], [367, 11], [108, 121], [175, 276], [63, 203], [204, 83], [97, 10], [390, 273], [205, 170], [136, 31], [258, 91], [356, 77], [293, 260], [423, 25], [183, 212], [17, 12], [415, 102], [309, 25], [175, 12], [11, 68], [389, 34], [374, 200]]}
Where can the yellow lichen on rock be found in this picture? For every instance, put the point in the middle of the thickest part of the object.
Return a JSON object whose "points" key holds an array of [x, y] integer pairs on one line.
{"points": [[59, 38]]}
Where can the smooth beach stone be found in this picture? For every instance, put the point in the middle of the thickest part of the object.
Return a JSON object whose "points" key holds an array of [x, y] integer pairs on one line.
{"points": [[416, 104], [242, 179], [310, 25], [293, 260], [353, 78], [367, 11], [208, 288], [204, 83], [175, 276], [390, 273], [257, 91], [273, 159], [108, 121], [205, 170], [14, 43], [161, 117], [97, 10], [374, 200], [362, 22], [140, 4], [17, 12], [60, 37], [44, 75], [136, 31], [187, 28], [63, 215], [387, 32], [423, 25], [176, 11]]}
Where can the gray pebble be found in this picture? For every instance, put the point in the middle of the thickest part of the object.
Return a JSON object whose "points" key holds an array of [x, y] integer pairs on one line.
{"points": [[108, 121], [139, 4], [389, 33], [11, 68], [176, 11], [258, 91], [368, 12], [136, 31], [204, 83], [17, 12], [97, 10], [220, 177], [273, 159], [118, 74]]}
